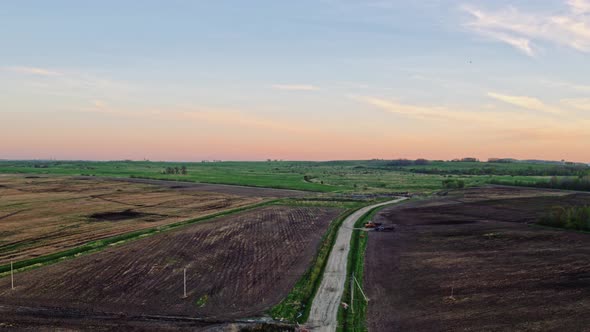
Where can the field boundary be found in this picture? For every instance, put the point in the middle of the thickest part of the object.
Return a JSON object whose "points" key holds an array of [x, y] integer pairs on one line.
{"points": [[101, 244], [297, 304]]}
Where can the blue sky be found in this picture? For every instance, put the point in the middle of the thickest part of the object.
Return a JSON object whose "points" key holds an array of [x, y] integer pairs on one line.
{"points": [[293, 79]]}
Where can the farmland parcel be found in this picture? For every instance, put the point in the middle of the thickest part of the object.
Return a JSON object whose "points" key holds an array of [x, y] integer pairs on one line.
{"points": [[237, 266], [43, 215], [475, 261]]}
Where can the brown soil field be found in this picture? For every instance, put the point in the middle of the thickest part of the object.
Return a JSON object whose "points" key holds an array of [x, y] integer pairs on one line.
{"points": [[237, 266], [42, 215], [469, 263]]}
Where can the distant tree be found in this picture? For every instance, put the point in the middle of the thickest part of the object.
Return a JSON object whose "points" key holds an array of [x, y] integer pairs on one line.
{"points": [[453, 184], [400, 162], [183, 170]]}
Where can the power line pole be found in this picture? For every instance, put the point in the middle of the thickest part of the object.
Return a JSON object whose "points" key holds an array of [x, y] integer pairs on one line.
{"points": [[11, 276], [361, 289], [185, 282], [352, 293]]}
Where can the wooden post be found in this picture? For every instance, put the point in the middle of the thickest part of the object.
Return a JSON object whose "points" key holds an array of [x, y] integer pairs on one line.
{"points": [[361, 289], [185, 282], [11, 276], [352, 293]]}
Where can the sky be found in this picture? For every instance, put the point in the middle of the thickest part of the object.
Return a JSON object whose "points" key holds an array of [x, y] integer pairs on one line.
{"points": [[294, 80]]}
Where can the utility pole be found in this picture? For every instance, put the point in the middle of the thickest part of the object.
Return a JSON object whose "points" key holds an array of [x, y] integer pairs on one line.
{"points": [[185, 282], [11, 276], [361, 289], [352, 293]]}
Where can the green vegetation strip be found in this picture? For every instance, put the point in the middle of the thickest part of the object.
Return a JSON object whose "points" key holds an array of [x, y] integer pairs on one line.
{"points": [[579, 183], [295, 307], [354, 318], [115, 240], [360, 176], [573, 218]]}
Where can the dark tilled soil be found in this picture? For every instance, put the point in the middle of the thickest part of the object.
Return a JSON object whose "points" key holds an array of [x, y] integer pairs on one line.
{"points": [[117, 215], [237, 266], [17, 318], [478, 266]]}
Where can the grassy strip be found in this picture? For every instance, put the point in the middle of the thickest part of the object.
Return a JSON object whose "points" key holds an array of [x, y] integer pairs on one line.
{"points": [[97, 245], [349, 320], [316, 187], [345, 204], [296, 306]]}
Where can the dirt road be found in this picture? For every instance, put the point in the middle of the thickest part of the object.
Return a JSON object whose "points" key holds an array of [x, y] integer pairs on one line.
{"points": [[324, 308]]}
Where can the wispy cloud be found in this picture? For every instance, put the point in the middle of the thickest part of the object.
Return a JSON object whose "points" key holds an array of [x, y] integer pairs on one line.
{"points": [[568, 85], [68, 82], [491, 121], [520, 43], [580, 6], [414, 111], [295, 87], [523, 30], [539, 134], [34, 71], [526, 102], [237, 119], [582, 104], [452, 115]]}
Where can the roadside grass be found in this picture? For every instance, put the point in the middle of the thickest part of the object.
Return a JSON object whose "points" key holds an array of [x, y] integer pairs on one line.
{"points": [[98, 245], [354, 318], [296, 306]]}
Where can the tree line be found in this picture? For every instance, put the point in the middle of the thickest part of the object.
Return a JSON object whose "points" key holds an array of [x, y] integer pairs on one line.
{"points": [[490, 170], [580, 183]]}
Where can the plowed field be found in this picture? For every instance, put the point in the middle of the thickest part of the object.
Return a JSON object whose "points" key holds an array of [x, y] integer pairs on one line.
{"points": [[474, 262], [237, 266]]}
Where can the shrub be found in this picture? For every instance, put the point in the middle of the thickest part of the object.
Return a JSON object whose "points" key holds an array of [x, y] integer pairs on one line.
{"points": [[453, 184], [576, 217]]}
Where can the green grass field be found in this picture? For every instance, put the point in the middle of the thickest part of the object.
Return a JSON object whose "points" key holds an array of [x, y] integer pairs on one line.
{"points": [[370, 176]]}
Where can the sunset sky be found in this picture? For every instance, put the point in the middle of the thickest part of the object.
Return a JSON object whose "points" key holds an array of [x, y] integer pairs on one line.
{"points": [[294, 80]]}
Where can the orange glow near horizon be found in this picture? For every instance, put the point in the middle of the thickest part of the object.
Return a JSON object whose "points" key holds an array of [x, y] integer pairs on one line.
{"points": [[68, 137]]}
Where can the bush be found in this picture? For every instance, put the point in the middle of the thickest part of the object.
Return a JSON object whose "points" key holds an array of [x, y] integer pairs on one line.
{"points": [[577, 218], [453, 184]]}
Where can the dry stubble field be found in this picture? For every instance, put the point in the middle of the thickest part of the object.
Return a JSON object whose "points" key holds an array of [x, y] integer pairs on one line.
{"points": [[42, 215]]}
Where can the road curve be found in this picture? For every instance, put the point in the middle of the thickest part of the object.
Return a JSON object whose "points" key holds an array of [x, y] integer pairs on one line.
{"points": [[324, 308]]}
